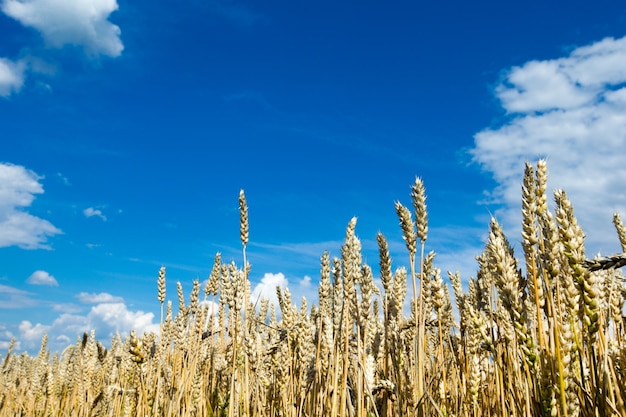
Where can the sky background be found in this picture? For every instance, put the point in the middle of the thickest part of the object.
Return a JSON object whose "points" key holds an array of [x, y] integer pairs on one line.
{"points": [[127, 130]]}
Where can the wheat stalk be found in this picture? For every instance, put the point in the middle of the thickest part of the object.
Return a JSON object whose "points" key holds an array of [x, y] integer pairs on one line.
{"points": [[547, 341]]}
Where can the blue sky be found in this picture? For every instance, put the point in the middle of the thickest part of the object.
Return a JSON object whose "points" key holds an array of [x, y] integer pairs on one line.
{"points": [[128, 129]]}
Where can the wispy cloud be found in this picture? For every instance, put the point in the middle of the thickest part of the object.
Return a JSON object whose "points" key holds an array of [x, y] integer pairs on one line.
{"points": [[298, 258], [93, 298], [310, 250], [91, 212], [18, 187], [572, 111], [14, 298], [66, 308], [64, 180], [235, 12], [253, 98], [455, 247], [40, 277]]}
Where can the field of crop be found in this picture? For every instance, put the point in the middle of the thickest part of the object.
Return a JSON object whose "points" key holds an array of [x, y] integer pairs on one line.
{"points": [[549, 341]]}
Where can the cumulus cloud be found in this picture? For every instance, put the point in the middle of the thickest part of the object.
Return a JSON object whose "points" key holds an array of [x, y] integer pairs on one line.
{"points": [[571, 111], [105, 318], [82, 23], [266, 288], [579, 79], [40, 277], [18, 187], [93, 298], [31, 334], [91, 212], [11, 76], [305, 282], [110, 318]]}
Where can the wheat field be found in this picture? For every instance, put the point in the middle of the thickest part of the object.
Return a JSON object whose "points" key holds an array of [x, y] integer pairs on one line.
{"points": [[542, 336]]}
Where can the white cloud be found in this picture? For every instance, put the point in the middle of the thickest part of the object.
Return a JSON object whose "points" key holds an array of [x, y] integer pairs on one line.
{"points": [[40, 277], [31, 335], [571, 111], [305, 282], [62, 340], [81, 23], [90, 212], [541, 86], [109, 318], [93, 298], [18, 187], [267, 287], [579, 79], [11, 76], [106, 318]]}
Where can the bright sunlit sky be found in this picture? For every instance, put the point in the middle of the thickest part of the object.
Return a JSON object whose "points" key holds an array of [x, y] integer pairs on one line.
{"points": [[127, 130]]}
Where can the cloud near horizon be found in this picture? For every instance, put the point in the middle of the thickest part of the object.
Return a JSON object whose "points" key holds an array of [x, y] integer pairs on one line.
{"points": [[105, 318], [106, 315], [266, 288], [572, 112]]}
